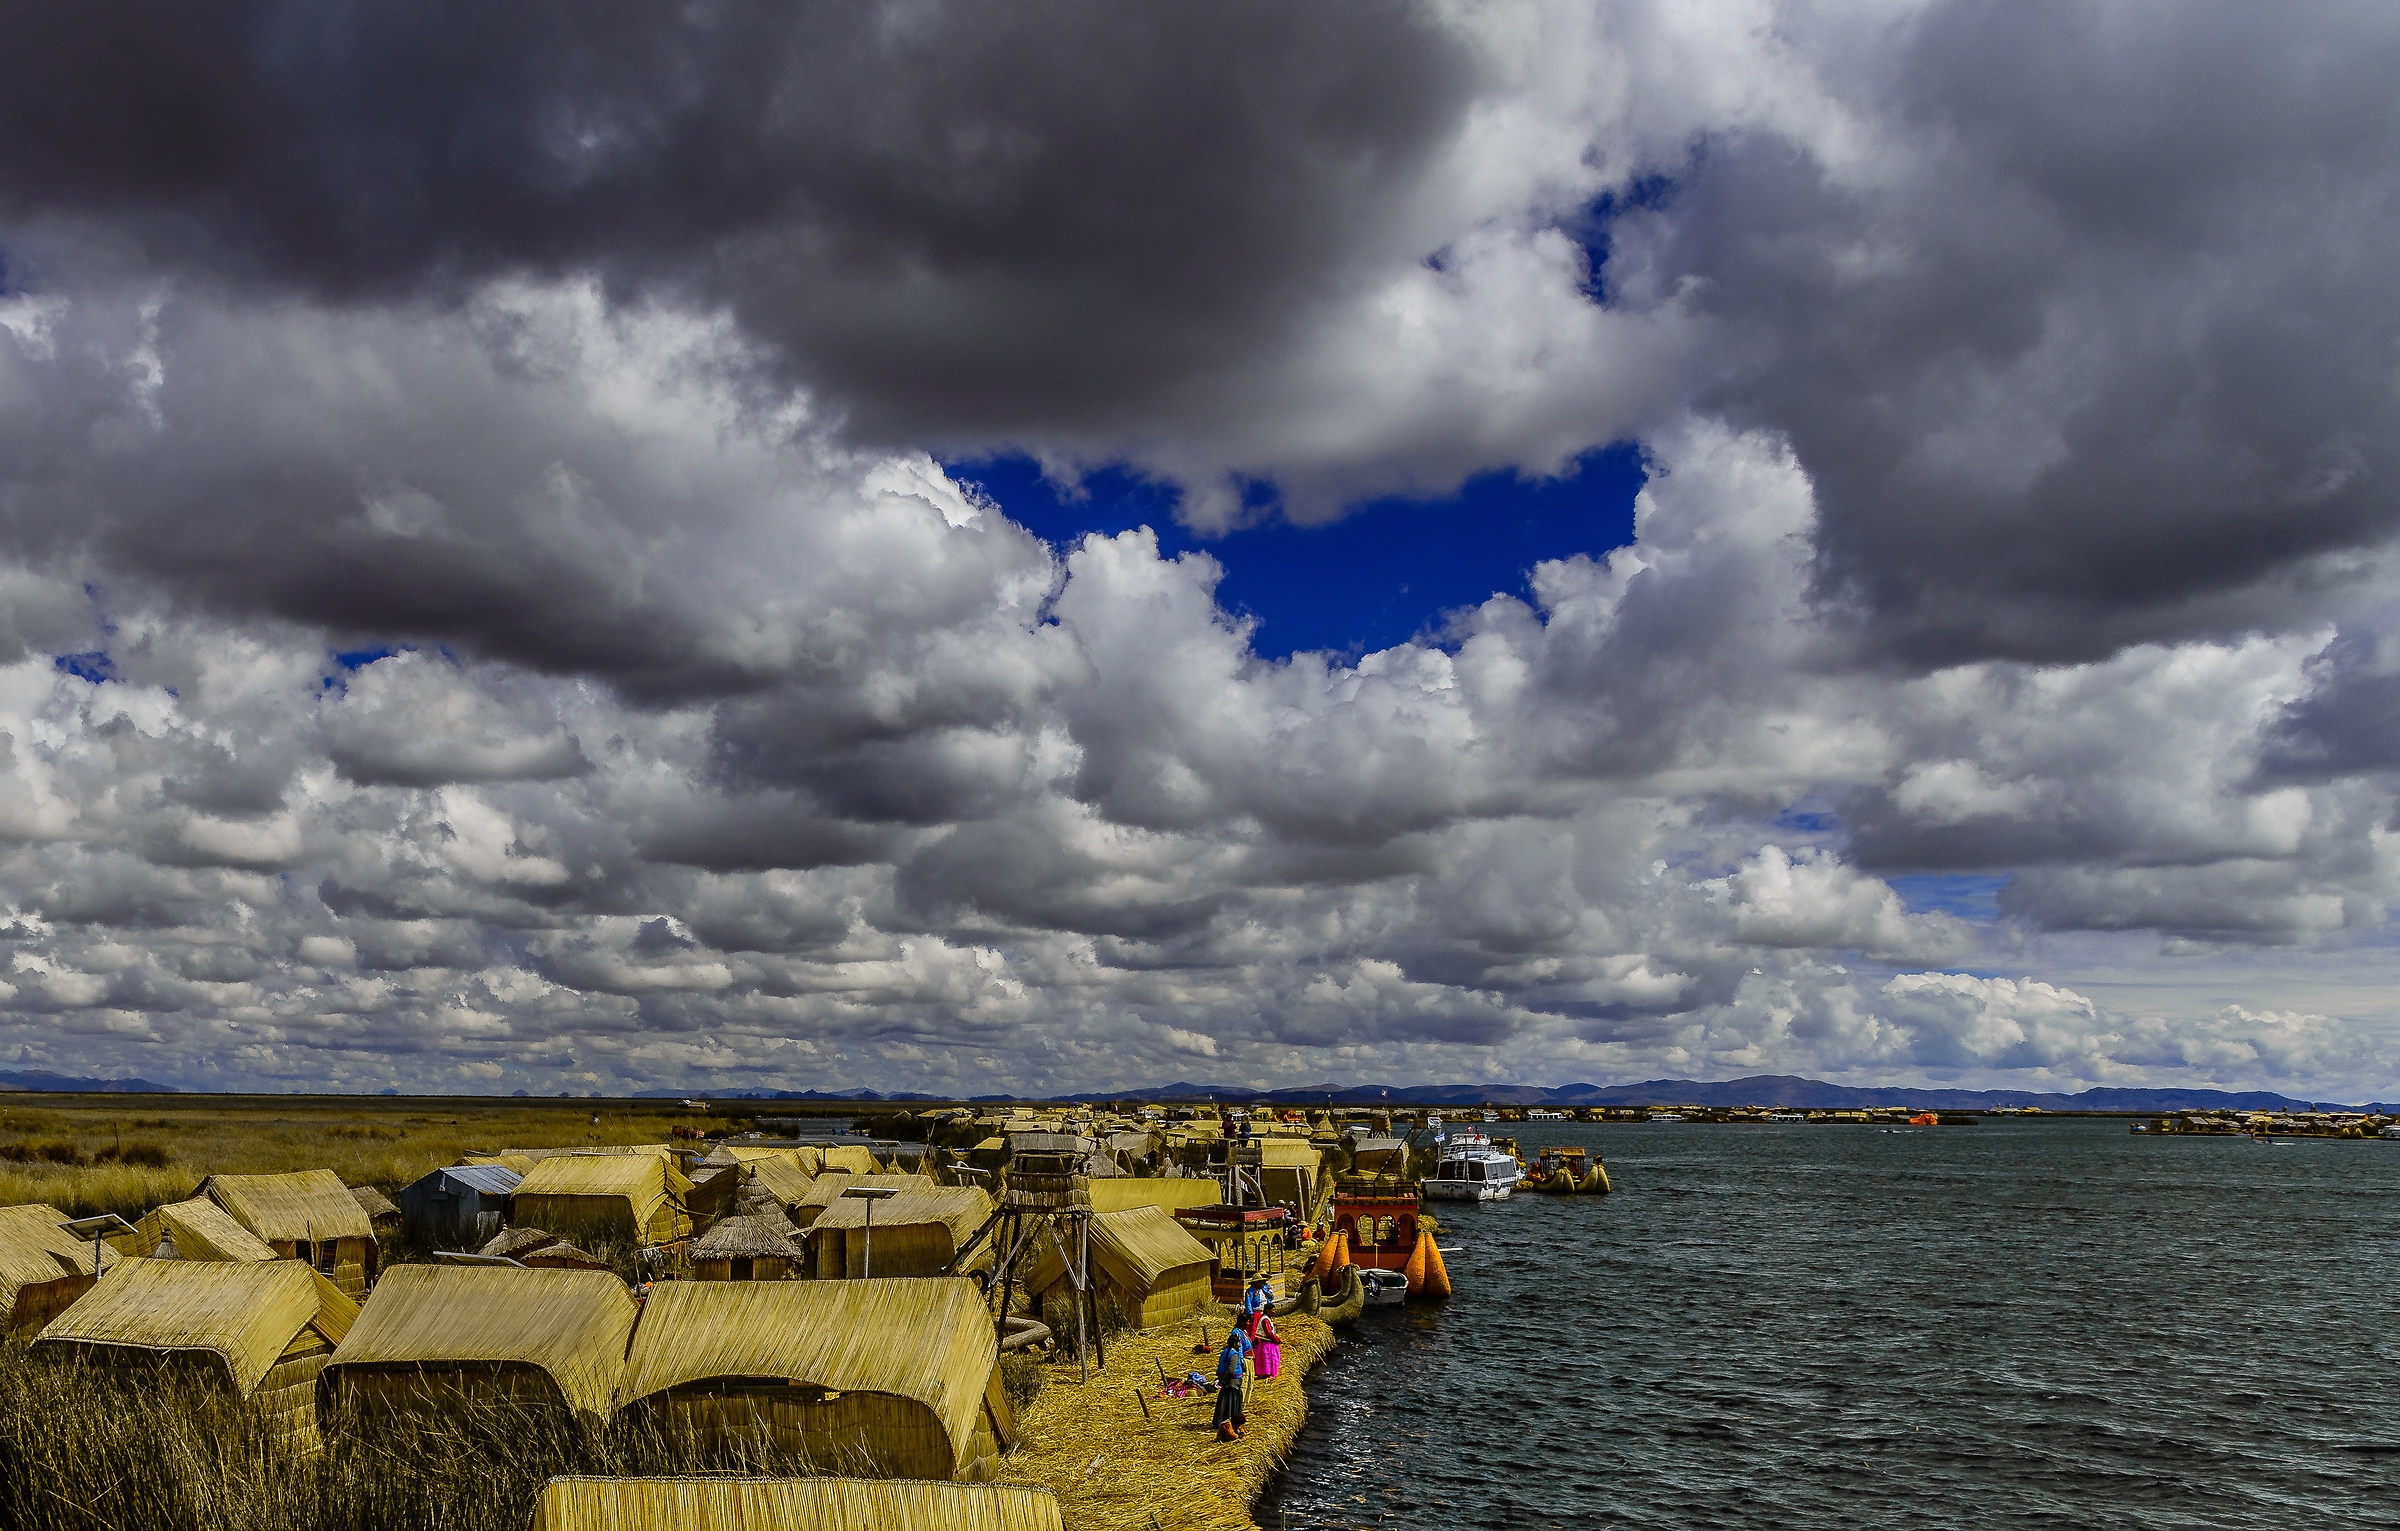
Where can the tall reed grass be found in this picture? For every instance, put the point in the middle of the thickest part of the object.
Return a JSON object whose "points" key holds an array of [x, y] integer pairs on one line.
{"points": [[171, 1448]]}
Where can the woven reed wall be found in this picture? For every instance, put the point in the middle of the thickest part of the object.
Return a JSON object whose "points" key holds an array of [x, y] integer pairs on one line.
{"points": [[41, 1301], [905, 1249], [860, 1435], [1183, 1293], [397, 1391], [762, 1268], [287, 1394]]}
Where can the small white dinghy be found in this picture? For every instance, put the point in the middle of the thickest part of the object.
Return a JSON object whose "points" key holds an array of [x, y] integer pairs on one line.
{"points": [[1385, 1289]]}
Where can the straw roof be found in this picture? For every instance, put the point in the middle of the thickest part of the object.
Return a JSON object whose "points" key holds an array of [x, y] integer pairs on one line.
{"points": [[561, 1253], [746, 1238], [929, 1341], [791, 1504], [856, 1158], [787, 1183], [962, 1209], [830, 1188], [305, 1204], [752, 1153], [1182, 1191], [244, 1314], [570, 1324], [640, 1178], [1135, 1248], [1288, 1153], [373, 1203], [511, 1242], [509, 1156], [34, 1250], [202, 1230]]}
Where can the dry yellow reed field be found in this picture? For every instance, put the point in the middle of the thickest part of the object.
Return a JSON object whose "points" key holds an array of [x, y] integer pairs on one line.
{"points": [[1114, 1469], [86, 1154]]}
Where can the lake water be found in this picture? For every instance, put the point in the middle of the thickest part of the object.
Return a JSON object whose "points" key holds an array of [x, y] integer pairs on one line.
{"points": [[2022, 1323]]}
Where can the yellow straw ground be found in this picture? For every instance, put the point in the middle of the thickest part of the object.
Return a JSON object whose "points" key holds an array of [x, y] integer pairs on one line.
{"points": [[1114, 1470]]}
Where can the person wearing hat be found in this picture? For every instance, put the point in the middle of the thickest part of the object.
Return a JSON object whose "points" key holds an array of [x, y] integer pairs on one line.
{"points": [[1256, 1300], [1232, 1388]]}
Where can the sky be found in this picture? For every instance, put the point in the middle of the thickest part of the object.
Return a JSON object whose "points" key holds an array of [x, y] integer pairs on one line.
{"points": [[1063, 547]]}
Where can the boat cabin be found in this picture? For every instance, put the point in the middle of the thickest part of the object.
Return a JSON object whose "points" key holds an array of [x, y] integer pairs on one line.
{"points": [[1382, 1230]]}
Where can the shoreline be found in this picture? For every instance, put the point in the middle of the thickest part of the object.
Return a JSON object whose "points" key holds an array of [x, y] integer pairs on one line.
{"points": [[1115, 1469]]}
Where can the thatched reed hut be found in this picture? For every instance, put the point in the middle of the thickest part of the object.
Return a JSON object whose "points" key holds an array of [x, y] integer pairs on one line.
{"points": [[1166, 1195], [747, 1249], [634, 1197], [559, 1255], [383, 1214], [912, 1232], [42, 1267], [879, 1379], [306, 1215], [1145, 1260], [263, 1328], [443, 1335], [198, 1229], [1291, 1173], [785, 1184], [790, 1504], [832, 1186], [715, 1193], [457, 1207]]}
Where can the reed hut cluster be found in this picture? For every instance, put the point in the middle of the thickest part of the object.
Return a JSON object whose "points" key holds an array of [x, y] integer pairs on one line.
{"points": [[824, 1308]]}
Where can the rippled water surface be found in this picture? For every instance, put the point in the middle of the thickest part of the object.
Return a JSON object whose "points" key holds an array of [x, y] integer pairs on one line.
{"points": [[2021, 1323]]}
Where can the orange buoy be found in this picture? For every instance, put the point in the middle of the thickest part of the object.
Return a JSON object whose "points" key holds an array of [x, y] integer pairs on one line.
{"points": [[1437, 1277], [1414, 1268]]}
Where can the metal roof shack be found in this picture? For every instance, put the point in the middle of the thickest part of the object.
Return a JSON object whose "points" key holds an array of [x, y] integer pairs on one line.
{"points": [[448, 1208]]}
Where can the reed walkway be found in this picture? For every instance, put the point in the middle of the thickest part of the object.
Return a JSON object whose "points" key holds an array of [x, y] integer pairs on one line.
{"points": [[1115, 1469]]}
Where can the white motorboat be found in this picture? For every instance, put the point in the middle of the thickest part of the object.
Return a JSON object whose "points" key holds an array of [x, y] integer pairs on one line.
{"points": [[1665, 1116], [1787, 1116], [1471, 1169], [1385, 1289]]}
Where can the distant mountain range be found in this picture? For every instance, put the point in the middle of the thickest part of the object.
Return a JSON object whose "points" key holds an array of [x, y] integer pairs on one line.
{"points": [[43, 1079], [1757, 1090]]}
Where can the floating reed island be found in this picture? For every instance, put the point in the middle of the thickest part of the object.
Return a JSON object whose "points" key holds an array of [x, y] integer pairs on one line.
{"points": [[1002, 1320]]}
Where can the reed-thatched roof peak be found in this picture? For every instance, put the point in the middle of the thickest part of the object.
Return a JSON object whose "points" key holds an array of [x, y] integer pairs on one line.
{"points": [[512, 1242], [305, 1204], [244, 1314], [571, 1324], [746, 1238]]}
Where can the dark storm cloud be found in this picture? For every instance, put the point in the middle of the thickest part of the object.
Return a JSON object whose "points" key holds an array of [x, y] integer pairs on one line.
{"points": [[961, 221], [2090, 341]]}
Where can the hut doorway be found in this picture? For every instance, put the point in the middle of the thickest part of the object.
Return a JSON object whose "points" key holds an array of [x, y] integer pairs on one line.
{"points": [[741, 1268]]}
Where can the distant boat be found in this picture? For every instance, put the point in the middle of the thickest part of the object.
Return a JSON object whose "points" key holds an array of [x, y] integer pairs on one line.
{"points": [[1471, 1169], [1787, 1116], [1665, 1116]]}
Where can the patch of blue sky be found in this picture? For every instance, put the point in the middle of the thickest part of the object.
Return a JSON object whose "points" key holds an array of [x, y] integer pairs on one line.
{"points": [[1968, 895], [95, 666], [1383, 574]]}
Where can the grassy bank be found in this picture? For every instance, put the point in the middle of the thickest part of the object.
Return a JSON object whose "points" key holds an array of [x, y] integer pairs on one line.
{"points": [[86, 1157]]}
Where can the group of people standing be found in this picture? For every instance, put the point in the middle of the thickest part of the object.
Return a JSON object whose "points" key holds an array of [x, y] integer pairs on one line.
{"points": [[1251, 1347]]}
